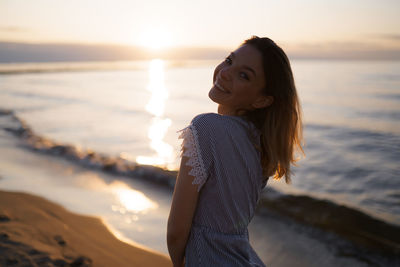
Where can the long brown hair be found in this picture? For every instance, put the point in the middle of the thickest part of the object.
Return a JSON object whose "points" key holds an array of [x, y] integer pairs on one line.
{"points": [[280, 123]]}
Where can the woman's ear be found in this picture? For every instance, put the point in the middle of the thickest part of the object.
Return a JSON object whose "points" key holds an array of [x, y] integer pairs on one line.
{"points": [[263, 101]]}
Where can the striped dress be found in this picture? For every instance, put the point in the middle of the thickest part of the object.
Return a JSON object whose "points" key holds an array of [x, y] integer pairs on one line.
{"points": [[226, 167]]}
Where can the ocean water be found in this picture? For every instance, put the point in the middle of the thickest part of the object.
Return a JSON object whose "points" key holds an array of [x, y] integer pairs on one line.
{"points": [[133, 110]]}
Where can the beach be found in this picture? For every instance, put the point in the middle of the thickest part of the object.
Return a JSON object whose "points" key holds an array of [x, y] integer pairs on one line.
{"points": [[36, 231]]}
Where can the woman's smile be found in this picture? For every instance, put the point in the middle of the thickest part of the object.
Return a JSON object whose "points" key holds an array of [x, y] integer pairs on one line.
{"points": [[220, 88], [238, 81]]}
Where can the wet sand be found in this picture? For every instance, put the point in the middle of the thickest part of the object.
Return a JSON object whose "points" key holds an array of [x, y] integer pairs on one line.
{"points": [[36, 231]]}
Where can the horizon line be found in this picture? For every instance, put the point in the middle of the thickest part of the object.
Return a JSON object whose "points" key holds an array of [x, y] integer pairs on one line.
{"points": [[14, 51]]}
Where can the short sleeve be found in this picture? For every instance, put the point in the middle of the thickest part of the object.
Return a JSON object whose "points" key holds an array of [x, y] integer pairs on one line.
{"points": [[197, 146]]}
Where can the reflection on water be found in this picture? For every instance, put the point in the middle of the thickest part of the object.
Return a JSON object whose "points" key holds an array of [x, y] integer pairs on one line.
{"points": [[127, 199], [159, 124], [131, 200]]}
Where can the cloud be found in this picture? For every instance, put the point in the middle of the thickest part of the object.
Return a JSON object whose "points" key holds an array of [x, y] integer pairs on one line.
{"points": [[13, 29], [343, 50], [393, 36]]}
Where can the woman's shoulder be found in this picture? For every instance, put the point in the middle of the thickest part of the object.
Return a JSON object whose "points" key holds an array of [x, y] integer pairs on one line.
{"points": [[213, 122], [206, 119], [216, 122], [214, 118], [207, 124]]}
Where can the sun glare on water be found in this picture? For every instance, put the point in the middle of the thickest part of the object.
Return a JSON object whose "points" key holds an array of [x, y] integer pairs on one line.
{"points": [[130, 199], [164, 153]]}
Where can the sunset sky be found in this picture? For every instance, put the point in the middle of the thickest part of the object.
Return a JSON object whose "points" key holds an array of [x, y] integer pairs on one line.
{"points": [[304, 25]]}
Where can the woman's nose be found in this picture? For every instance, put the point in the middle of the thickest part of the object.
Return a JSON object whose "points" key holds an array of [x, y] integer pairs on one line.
{"points": [[224, 74]]}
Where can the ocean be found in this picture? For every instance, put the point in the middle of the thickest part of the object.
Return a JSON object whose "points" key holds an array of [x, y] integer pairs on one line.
{"points": [[130, 112]]}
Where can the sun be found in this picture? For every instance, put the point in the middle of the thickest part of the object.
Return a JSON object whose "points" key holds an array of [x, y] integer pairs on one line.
{"points": [[155, 39]]}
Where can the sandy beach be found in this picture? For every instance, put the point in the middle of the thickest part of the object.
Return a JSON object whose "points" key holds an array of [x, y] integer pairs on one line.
{"points": [[34, 231]]}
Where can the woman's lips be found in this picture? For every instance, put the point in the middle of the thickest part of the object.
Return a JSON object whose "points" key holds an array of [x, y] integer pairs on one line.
{"points": [[220, 88]]}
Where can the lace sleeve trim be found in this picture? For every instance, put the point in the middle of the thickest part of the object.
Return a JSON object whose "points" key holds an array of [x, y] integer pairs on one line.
{"points": [[190, 148]]}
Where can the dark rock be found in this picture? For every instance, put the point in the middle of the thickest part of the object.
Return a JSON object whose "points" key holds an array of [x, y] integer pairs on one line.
{"points": [[60, 263], [81, 261], [11, 261], [42, 260], [4, 236], [60, 240], [34, 252], [4, 218]]}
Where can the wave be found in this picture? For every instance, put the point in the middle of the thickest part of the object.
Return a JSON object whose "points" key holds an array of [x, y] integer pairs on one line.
{"points": [[87, 158], [347, 222]]}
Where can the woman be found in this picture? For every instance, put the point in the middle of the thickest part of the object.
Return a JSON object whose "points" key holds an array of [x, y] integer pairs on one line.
{"points": [[228, 157]]}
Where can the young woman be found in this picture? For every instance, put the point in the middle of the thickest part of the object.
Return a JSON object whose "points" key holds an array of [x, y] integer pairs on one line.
{"points": [[228, 157]]}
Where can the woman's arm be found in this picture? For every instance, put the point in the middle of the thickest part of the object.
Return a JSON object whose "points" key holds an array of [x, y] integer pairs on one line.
{"points": [[183, 206]]}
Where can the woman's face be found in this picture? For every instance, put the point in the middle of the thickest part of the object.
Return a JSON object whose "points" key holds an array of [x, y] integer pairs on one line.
{"points": [[238, 82]]}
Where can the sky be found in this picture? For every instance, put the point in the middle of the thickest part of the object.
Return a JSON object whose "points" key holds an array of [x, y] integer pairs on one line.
{"points": [[309, 25]]}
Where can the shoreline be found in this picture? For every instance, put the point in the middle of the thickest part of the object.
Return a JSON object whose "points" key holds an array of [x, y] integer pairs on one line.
{"points": [[35, 230], [120, 166]]}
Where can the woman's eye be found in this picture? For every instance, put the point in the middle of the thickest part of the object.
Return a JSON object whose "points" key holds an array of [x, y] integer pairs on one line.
{"points": [[228, 60], [244, 75]]}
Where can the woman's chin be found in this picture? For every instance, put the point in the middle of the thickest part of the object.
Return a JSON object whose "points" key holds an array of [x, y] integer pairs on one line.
{"points": [[212, 96], [216, 95]]}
